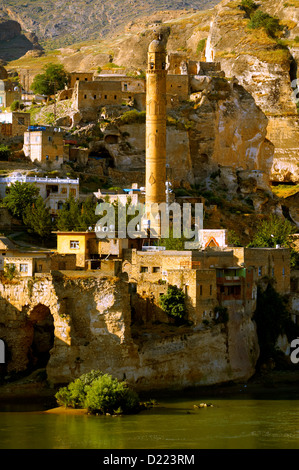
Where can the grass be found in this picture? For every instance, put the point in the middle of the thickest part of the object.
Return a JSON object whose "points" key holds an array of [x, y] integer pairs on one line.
{"points": [[285, 190]]}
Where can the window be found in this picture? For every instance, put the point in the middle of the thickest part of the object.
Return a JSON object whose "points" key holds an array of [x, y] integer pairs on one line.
{"points": [[56, 157], [94, 97], [200, 290], [23, 268], [283, 271], [47, 157], [144, 269], [63, 190], [260, 269], [49, 139], [125, 86], [211, 289], [73, 192], [105, 97], [115, 97], [21, 121], [156, 269], [74, 244], [85, 97]]}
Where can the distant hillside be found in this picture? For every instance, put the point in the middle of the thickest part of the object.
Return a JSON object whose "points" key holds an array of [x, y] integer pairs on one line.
{"points": [[60, 23]]}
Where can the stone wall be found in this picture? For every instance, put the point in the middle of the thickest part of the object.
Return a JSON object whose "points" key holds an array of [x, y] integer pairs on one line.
{"points": [[91, 317]]}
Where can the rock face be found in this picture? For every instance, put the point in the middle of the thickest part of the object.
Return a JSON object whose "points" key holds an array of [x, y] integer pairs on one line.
{"points": [[220, 129], [266, 70], [90, 319], [9, 29], [14, 42]]}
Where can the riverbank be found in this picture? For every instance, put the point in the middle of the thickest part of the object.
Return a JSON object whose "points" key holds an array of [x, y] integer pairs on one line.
{"points": [[31, 390]]}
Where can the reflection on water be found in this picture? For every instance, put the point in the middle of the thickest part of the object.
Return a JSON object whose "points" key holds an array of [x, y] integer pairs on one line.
{"points": [[246, 423]]}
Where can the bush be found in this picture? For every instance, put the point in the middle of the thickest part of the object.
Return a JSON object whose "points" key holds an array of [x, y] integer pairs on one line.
{"points": [[10, 271], [15, 105], [99, 393], [133, 116], [263, 20], [173, 303], [249, 6], [5, 152]]}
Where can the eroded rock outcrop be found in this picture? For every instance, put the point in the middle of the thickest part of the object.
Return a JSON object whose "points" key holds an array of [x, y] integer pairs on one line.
{"points": [[91, 322]]}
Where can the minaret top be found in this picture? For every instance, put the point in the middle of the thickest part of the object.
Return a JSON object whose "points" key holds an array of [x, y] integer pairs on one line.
{"points": [[156, 46]]}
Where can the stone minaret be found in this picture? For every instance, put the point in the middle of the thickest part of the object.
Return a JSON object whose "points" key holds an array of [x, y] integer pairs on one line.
{"points": [[155, 172]]}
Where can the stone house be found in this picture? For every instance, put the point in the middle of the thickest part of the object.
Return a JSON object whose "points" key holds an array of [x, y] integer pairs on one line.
{"points": [[134, 195], [91, 251], [80, 76], [14, 123], [226, 277], [90, 97], [272, 263], [9, 92], [30, 262], [45, 146]]}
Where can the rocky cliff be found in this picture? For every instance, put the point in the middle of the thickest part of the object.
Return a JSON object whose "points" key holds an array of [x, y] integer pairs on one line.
{"points": [[14, 42], [73, 324]]}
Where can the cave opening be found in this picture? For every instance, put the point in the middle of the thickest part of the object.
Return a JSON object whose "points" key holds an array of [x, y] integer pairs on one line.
{"points": [[42, 337]]}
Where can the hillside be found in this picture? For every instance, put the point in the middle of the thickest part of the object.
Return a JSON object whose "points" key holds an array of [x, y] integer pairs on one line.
{"points": [[59, 23]]}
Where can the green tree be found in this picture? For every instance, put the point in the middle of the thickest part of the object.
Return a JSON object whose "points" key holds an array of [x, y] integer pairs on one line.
{"points": [[99, 393], [249, 6], [10, 271], [173, 303], [38, 219], [87, 217], [272, 319], [275, 231], [77, 216], [263, 20], [19, 196], [15, 105], [52, 80], [68, 216], [5, 152]]}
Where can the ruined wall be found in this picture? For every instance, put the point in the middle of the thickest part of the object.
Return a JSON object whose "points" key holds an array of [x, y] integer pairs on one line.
{"points": [[92, 330]]}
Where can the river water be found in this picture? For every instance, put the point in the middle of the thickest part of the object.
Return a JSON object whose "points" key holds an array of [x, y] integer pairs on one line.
{"points": [[240, 421]]}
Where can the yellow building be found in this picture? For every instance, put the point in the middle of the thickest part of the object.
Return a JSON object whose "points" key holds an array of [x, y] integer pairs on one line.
{"points": [[75, 243]]}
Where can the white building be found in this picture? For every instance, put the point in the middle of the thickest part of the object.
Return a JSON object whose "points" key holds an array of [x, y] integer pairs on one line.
{"points": [[54, 191]]}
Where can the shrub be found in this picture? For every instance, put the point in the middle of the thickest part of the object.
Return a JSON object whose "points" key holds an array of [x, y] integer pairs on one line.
{"points": [[10, 271], [15, 105], [5, 152], [263, 20], [173, 303], [221, 314], [99, 393], [133, 116], [249, 6], [201, 45]]}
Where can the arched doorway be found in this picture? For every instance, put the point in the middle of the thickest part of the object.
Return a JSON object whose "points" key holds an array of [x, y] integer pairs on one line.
{"points": [[42, 331]]}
